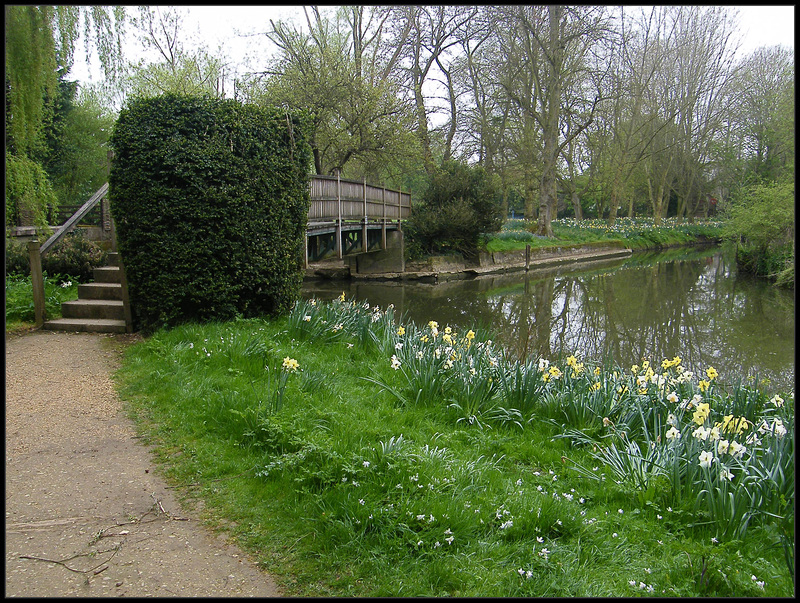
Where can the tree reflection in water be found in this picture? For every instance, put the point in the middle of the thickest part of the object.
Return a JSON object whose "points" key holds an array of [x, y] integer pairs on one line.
{"points": [[687, 303]]}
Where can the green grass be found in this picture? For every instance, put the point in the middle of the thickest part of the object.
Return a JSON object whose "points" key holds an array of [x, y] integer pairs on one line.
{"points": [[636, 233], [20, 312], [496, 480]]}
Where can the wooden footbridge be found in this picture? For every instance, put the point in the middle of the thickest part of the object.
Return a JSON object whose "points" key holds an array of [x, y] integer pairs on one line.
{"points": [[348, 216]]}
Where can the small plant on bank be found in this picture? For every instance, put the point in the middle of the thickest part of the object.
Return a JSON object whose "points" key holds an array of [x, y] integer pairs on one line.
{"points": [[19, 297]]}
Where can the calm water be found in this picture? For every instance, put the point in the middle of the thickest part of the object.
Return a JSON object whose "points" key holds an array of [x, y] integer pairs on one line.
{"points": [[689, 303]]}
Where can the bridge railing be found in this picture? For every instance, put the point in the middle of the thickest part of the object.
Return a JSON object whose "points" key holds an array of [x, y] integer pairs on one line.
{"points": [[335, 199]]}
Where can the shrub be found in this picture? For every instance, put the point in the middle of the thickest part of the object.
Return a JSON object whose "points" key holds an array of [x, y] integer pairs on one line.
{"points": [[210, 199], [460, 204], [761, 222], [74, 257]]}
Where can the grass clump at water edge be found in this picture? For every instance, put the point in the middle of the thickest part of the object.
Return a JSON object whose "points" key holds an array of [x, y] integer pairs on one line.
{"points": [[360, 455]]}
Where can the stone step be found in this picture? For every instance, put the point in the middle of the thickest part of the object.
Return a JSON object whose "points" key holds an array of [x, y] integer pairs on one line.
{"points": [[93, 308], [113, 258], [94, 325], [100, 291], [107, 274]]}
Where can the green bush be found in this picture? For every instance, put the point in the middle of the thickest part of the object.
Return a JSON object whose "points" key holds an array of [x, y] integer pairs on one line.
{"points": [[74, 257], [210, 199], [761, 222], [461, 204]]}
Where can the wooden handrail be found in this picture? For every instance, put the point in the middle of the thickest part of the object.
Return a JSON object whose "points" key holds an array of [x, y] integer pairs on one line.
{"points": [[76, 217]]}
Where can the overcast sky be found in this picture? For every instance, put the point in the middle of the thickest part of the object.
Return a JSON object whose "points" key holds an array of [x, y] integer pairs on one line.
{"points": [[226, 27]]}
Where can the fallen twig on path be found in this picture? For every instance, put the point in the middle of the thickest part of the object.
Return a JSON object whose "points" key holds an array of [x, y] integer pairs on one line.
{"points": [[63, 562]]}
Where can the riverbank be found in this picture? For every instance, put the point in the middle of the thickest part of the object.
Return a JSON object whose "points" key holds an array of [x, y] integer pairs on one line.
{"points": [[342, 447], [442, 268]]}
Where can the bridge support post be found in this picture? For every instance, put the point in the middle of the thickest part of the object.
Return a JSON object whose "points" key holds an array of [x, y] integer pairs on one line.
{"points": [[383, 222], [364, 241], [338, 216]]}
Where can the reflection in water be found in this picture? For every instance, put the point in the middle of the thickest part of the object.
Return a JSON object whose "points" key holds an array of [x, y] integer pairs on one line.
{"points": [[685, 303]]}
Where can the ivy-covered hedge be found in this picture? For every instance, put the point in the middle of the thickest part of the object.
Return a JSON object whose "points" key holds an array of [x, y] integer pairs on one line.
{"points": [[210, 199]]}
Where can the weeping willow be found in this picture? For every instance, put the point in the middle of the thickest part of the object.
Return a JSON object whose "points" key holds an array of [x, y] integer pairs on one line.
{"points": [[40, 45]]}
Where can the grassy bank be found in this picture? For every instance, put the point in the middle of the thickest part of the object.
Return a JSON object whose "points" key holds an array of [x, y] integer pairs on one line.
{"points": [[357, 455], [20, 313], [636, 234]]}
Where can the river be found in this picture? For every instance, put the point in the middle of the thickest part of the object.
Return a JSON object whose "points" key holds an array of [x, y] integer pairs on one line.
{"points": [[685, 302]]}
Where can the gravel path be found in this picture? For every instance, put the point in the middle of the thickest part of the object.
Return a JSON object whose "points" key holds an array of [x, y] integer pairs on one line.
{"points": [[85, 513]]}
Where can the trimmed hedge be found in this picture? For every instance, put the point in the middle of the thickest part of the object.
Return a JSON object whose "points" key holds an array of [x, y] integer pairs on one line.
{"points": [[210, 199]]}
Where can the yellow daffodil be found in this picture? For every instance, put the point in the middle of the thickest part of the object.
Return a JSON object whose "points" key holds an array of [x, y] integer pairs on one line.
{"points": [[342, 297], [596, 385], [470, 335], [734, 425], [401, 331], [776, 400], [701, 414], [703, 385], [712, 373], [290, 364]]}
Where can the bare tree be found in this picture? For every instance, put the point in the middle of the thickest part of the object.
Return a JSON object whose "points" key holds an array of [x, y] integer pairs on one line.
{"points": [[548, 50], [431, 33], [704, 67]]}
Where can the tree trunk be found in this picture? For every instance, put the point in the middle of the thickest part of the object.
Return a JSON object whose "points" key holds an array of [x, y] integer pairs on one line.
{"points": [[547, 197], [576, 206], [547, 190], [422, 131]]}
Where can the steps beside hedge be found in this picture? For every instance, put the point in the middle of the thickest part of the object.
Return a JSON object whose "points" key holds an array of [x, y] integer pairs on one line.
{"points": [[99, 305]]}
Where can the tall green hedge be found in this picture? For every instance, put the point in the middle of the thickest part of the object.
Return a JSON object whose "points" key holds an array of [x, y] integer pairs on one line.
{"points": [[210, 199]]}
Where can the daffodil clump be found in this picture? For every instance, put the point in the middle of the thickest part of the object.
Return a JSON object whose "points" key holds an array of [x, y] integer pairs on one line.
{"points": [[701, 439]]}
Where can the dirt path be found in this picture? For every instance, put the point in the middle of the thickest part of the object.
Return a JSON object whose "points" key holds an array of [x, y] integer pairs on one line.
{"points": [[81, 490]]}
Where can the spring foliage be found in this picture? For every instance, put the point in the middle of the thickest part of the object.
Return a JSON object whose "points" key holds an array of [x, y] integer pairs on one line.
{"points": [[210, 199], [460, 204]]}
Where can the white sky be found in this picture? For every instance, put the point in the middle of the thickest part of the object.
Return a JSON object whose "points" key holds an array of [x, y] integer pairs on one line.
{"points": [[223, 26]]}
